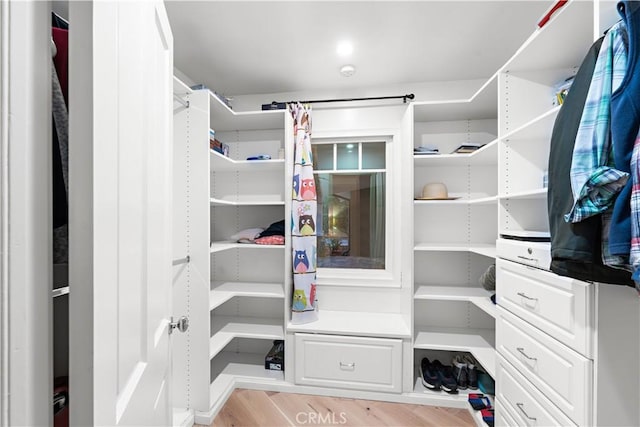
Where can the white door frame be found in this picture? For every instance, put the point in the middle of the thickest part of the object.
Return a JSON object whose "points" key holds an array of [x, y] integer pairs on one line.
{"points": [[26, 383]]}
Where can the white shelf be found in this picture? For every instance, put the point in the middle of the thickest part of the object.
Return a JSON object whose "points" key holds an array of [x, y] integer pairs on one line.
{"points": [[460, 396], [218, 162], [356, 323], [243, 327], [180, 88], [244, 200], [462, 201], [224, 118], [485, 156], [539, 193], [58, 292], [552, 46], [484, 200], [240, 366], [222, 292], [482, 105], [538, 128], [485, 249], [226, 245], [475, 341], [477, 296]]}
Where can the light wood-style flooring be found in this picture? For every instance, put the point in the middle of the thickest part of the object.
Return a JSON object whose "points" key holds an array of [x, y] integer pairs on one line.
{"points": [[270, 409]]}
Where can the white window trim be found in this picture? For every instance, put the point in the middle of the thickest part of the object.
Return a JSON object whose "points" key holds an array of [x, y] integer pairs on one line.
{"points": [[390, 276]]}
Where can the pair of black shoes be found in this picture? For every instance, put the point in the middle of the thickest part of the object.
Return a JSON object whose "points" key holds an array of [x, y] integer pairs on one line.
{"points": [[436, 376], [465, 371]]}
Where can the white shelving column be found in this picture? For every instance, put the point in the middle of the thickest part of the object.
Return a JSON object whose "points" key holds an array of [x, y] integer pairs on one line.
{"points": [[454, 240], [246, 290]]}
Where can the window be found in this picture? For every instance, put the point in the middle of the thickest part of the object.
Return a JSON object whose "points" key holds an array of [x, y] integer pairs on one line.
{"points": [[352, 219]]}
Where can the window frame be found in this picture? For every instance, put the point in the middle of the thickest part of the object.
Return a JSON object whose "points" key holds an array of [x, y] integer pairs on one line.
{"points": [[389, 277]]}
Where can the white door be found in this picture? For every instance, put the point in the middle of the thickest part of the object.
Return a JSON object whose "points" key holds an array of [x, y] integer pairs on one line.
{"points": [[128, 244]]}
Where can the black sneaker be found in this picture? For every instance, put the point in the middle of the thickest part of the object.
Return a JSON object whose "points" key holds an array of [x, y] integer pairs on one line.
{"points": [[429, 375], [445, 375], [459, 366], [472, 372]]}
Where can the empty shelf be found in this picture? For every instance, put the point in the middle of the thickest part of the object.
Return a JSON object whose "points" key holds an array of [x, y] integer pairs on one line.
{"points": [[222, 292]]}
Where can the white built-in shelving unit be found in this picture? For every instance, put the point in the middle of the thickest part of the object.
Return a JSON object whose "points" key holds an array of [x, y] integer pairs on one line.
{"points": [[238, 295], [236, 291], [454, 240]]}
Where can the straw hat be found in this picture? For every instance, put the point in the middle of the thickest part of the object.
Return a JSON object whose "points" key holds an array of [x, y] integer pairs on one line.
{"points": [[435, 191]]}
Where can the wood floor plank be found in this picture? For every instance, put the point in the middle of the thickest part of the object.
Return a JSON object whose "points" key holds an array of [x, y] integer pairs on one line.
{"points": [[255, 408]]}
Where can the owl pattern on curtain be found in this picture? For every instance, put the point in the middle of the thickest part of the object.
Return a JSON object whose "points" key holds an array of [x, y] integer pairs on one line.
{"points": [[303, 219]]}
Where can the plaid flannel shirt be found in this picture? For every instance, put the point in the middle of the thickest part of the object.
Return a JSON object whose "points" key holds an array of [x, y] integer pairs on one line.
{"points": [[594, 179]]}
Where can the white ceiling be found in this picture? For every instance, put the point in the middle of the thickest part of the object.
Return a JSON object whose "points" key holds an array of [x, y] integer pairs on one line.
{"points": [[242, 47]]}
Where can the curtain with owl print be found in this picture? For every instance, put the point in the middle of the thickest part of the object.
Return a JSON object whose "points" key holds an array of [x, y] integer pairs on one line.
{"points": [[303, 219]]}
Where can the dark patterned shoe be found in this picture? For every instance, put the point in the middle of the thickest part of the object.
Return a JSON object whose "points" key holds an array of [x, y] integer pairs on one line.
{"points": [[445, 374], [428, 375]]}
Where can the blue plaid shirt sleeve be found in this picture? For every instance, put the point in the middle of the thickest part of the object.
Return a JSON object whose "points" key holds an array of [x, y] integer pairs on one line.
{"points": [[594, 179]]}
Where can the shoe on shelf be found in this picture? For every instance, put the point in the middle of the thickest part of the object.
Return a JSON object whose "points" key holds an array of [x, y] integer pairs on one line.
{"points": [[445, 375], [428, 375], [472, 371], [459, 366]]}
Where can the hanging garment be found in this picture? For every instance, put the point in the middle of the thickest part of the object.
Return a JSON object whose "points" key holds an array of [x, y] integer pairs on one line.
{"points": [[60, 155], [625, 112], [575, 247], [303, 220], [595, 182], [61, 60]]}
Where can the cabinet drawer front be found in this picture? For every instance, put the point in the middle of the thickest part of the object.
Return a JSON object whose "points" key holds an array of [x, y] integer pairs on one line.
{"points": [[559, 306], [349, 362], [518, 396], [503, 418], [535, 254], [563, 375]]}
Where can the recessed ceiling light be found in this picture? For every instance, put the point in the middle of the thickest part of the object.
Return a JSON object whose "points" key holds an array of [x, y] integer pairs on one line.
{"points": [[347, 70], [345, 48]]}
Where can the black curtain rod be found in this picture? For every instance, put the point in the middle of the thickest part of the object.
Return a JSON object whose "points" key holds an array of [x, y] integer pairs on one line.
{"points": [[319, 101]]}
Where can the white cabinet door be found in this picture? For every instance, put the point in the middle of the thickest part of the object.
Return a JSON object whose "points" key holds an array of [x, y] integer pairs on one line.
{"points": [[122, 63]]}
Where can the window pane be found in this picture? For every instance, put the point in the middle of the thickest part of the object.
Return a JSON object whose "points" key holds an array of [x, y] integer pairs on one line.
{"points": [[351, 220], [347, 156], [373, 155], [322, 156]]}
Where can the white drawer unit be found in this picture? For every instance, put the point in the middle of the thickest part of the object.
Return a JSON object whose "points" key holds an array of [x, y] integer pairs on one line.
{"points": [[559, 306], [503, 418], [521, 397], [559, 372], [535, 254], [373, 364]]}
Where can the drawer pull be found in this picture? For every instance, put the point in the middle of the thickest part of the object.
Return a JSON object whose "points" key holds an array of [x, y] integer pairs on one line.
{"points": [[528, 259], [521, 350], [351, 365], [523, 295], [520, 405]]}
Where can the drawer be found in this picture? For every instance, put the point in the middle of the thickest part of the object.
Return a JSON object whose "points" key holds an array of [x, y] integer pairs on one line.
{"points": [[349, 362], [535, 254], [563, 375], [503, 418], [518, 396], [560, 306]]}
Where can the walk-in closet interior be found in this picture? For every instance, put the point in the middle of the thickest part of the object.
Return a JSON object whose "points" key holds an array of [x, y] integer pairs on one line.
{"points": [[441, 210]]}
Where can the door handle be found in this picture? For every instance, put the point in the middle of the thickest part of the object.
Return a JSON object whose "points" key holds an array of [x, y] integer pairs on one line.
{"points": [[182, 324]]}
